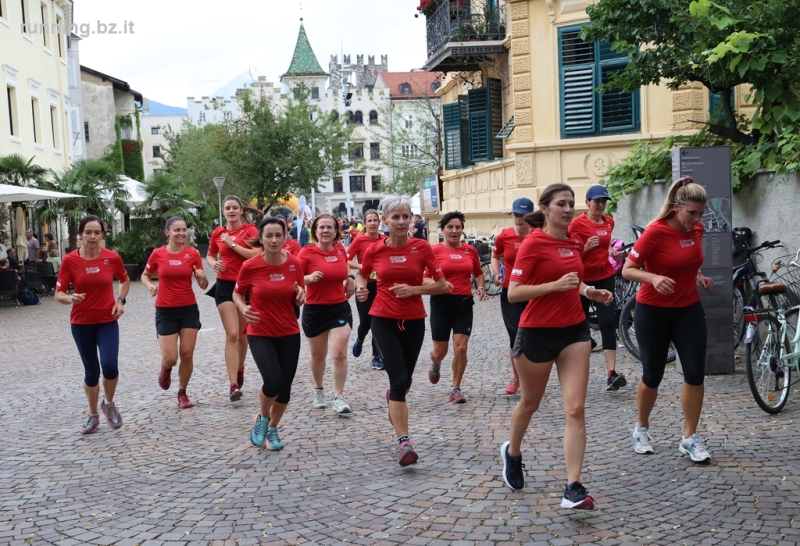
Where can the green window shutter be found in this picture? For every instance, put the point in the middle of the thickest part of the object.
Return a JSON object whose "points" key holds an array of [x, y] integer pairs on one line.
{"points": [[480, 144], [577, 68], [463, 102], [715, 112], [453, 146], [619, 111], [495, 87]]}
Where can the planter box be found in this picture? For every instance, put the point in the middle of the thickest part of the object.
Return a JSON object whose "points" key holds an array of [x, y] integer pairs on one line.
{"points": [[133, 271], [202, 249]]}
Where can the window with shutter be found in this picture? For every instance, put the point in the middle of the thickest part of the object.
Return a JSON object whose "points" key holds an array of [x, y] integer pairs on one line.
{"points": [[451, 120], [584, 66]]}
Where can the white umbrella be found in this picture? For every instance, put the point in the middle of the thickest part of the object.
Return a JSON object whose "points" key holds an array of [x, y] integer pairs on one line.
{"points": [[22, 242], [10, 194]]}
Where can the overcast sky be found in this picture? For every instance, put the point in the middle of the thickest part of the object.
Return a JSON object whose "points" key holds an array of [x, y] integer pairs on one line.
{"points": [[182, 48]]}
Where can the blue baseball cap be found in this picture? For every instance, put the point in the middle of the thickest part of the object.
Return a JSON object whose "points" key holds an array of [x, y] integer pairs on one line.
{"points": [[597, 192], [523, 205]]}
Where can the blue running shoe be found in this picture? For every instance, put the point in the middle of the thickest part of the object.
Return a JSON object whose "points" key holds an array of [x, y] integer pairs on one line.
{"points": [[512, 469], [259, 433], [377, 363], [275, 443], [357, 346], [576, 496]]}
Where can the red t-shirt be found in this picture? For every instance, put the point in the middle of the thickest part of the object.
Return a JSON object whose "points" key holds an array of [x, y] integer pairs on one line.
{"points": [[678, 255], [595, 262], [175, 275], [459, 265], [95, 278], [230, 258], [292, 247], [359, 247], [334, 268], [544, 259], [506, 245], [399, 265], [271, 294]]}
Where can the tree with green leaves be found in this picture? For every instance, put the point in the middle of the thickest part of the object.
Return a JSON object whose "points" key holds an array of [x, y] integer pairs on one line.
{"points": [[102, 190], [18, 171], [165, 196], [719, 44], [273, 150]]}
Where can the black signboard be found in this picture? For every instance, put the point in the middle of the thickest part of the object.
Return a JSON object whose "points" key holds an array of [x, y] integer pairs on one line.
{"points": [[711, 168]]}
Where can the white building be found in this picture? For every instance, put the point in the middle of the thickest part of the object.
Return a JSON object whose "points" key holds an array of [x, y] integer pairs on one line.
{"points": [[154, 125]]}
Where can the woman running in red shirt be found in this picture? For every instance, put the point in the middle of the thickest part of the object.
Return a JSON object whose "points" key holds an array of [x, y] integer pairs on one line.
{"points": [[230, 244], [327, 317], [177, 315], [291, 246], [594, 229], [548, 272], [668, 309], [274, 280], [91, 271], [452, 312], [355, 256], [506, 246], [398, 314]]}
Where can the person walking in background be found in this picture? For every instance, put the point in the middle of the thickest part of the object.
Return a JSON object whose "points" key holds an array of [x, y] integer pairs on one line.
{"points": [[398, 314], [191, 240], [355, 256], [33, 246], [418, 229], [177, 314], [327, 317], [227, 251], [91, 270], [274, 282], [594, 229], [668, 309], [452, 312], [506, 245], [548, 272]]}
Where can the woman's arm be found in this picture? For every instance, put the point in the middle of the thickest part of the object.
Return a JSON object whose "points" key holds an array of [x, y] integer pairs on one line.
{"points": [[147, 283], [633, 272], [495, 265], [519, 292], [426, 289]]}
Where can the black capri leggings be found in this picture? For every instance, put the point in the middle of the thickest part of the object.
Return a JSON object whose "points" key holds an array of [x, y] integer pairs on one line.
{"points": [[685, 327], [364, 318], [276, 358], [605, 314], [91, 338], [400, 342], [511, 312]]}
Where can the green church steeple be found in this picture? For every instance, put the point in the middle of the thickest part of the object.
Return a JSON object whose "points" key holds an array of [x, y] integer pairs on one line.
{"points": [[304, 62]]}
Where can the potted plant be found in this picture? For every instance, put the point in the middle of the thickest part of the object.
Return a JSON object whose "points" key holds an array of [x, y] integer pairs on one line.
{"points": [[131, 247]]}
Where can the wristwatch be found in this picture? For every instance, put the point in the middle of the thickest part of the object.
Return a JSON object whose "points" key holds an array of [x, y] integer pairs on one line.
{"points": [[123, 300], [233, 245]]}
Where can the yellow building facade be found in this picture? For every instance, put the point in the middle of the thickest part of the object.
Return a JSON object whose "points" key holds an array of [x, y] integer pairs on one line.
{"points": [[34, 96], [546, 75]]}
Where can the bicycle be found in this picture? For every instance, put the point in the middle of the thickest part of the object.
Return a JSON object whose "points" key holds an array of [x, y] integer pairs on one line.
{"points": [[746, 280]]}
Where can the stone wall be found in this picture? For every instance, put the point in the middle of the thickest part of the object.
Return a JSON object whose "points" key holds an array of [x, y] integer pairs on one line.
{"points": [[768, 206]]}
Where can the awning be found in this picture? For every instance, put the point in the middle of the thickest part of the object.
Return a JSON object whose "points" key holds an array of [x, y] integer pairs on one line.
{"points": [[9, 193]]}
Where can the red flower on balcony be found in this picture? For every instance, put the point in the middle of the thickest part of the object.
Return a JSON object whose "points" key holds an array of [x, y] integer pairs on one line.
{"points": [[427, 7]]}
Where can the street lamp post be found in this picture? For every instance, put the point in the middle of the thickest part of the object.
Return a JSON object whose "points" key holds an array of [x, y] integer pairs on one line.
{"points": [[219, 181]]}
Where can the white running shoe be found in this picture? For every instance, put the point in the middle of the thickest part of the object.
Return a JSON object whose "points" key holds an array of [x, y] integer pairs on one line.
{"points": [[340, 405], [694, 449], [641, 440], [319, 399]]}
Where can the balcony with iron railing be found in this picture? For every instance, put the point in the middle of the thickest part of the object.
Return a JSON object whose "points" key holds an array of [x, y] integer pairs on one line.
{"points": [[462, 34]]}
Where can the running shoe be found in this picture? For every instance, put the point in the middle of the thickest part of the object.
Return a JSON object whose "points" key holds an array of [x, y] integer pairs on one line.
{"points": [[576, 496], [340, 405], [259, 433], [407, 454], [512, 468], [434, 374], [91, 424], [388, 391], [113, 418], [456, 397], [319, 399], [273, 441], [615, 381], [183, 401], [694, 449], [377, 363], [240, 378], [641, 440], [235, 394], [165, 378], [357, 346], [513, 386]]}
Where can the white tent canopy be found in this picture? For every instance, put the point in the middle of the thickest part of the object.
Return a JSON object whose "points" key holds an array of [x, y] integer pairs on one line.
{"points": [[9, 194]]}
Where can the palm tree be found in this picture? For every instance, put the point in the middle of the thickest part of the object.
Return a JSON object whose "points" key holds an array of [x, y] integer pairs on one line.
{"points": [[18, 171], [165, 196], [101, 187]]}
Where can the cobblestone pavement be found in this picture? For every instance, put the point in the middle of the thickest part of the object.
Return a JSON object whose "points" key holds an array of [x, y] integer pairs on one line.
{"points": [[174, 477]]}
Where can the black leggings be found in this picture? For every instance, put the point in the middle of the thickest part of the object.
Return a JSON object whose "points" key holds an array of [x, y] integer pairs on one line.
{"points": [[91, 338], [685, 327], [605, 314], [400, 342], [511, 312], [276, 358], [364, 318]]}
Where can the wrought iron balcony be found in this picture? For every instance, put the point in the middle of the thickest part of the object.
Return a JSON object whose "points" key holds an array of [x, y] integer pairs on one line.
{"points": [[463, 33]]}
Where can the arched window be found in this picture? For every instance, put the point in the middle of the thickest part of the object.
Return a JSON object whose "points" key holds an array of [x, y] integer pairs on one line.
{"points": [[358, 117], [350, 116], [373, 117]]}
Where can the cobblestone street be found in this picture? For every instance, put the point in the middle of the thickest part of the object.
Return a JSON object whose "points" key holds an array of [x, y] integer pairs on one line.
{"points": [[175, 477]]}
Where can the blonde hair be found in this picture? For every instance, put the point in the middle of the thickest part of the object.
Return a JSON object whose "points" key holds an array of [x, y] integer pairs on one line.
{"points": [[682, 191]]}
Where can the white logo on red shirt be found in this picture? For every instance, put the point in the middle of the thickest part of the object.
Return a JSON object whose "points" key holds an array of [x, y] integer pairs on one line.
{"points": [[566, 252], [175, 262], [634, 254], [602, 232], [516, 271], [276, 277], [686, 243], [292, 268], [92, 270], [397, 259], [517, 245], [331, 258], [456, 257], [105, 262], [413, 249]]}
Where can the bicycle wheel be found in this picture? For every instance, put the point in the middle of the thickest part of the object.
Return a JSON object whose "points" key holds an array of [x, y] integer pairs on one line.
{"points": [[591, 316], [627, 332], [738, 317], [769, 379], [491, 289]]}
